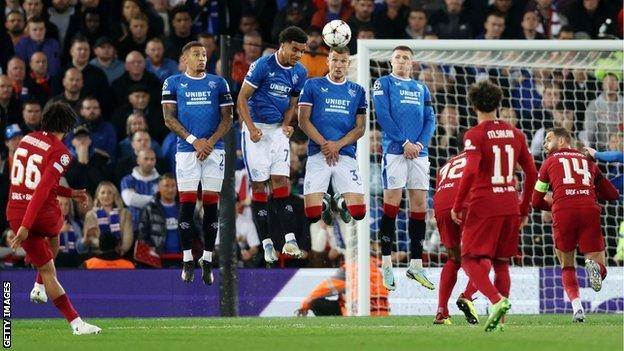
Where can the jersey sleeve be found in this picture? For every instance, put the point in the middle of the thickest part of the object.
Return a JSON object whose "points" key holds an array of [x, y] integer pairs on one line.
{"points": [[225, 97], [530, 173], [58, 164], [381, 99], [256, 74], [472, 147], [307, 94], [362, 104], [429, 120], [169, 95], [543, 178]]}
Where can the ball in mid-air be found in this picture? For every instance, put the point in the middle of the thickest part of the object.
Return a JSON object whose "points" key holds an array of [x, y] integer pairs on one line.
{"points": [[336, 33]]}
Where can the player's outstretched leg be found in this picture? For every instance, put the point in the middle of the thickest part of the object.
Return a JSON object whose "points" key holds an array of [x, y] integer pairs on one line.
{"points": [[596, 270], [416, 228], [38, 293], [62, 302], [286, 215], [260, 215], [210, 227], [386, 234], [448, 277], [186, 227]]}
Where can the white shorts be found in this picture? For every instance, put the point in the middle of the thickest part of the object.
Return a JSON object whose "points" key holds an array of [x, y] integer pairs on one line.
{"points": [[345, 175], [398, 172], [190, 171], [269, 156]]}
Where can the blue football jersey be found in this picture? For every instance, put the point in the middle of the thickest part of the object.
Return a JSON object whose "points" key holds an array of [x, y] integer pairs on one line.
{"points": [[199, 103], [404, 112], [335, 107], [275, 85]]}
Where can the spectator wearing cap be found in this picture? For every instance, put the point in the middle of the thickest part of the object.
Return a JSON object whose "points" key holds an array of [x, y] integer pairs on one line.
{"points": [[139, 102], [9, 105], [31, 116], [135, 73], [135, 123], [106, 61], [41, 85], [294, 14], [95, 81], [139, 140], [138, 187], [37, 41], [102, 132], [72, 88], [315, 58], [12, 135], [136, 39], [156, 62], [332, 10], [89, 165], [181, 33]]}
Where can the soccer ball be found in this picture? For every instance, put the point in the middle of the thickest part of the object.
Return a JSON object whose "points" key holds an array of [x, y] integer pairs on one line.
{"points": [[336, 33]]}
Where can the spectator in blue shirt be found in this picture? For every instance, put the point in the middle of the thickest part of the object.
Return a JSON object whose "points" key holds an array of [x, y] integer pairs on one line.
{"points": [[105, 59], [156, 62], [37, 41], [138, 188]]}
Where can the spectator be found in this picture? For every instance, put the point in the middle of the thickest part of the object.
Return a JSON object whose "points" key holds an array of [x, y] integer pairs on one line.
{"points": [[247, 24], [417, 25], [89, 165], [161, 8], [162, 67], [391, 21], [331, 10], [362, 15], [41, 85], [181, 34], [71, 244], [212, 51], [60, 14], [579, 88], [102, 132], [37, 41], [494, 26], [92, 26], [135, 123], [452, 22], [109, 258], [566, 33], [512, 10], [530, 23], [448, 129], [31, 116], [135, 73], [139, 101], [550, 18], [10, 36], [252, 49], [9, 105], [16, 70], [315, 59], [588, 16], [562, 117], [264, 10], [34, 8], [294, 14], [109, 217], [140, 140], [136, 39], [106, 61], [508, 114], [158, 221], [138, 187], [15, 24], [11, 135], [603, 115], [72, 88], [95, 82]]}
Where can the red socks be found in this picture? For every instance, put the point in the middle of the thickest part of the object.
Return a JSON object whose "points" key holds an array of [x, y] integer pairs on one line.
{"points": [[390, 210], [280, 193], [570, 283], [313, 213], [502, 280], [603, 270], [357, 211], [65, 306], [448, 278], [478, 270], [210, 199], [39, 278], [470, 290]]}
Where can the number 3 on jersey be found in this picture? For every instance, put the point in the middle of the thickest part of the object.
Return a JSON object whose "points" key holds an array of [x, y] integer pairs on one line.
{"points": [[29, 174]]}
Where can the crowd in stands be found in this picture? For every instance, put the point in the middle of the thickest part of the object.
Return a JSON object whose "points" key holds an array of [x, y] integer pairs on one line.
{"points": [[108, 59]]}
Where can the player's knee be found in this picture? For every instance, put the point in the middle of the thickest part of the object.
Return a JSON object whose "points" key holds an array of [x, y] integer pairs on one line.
{"points": [[358, 212], [313, 213], [188, 197]]}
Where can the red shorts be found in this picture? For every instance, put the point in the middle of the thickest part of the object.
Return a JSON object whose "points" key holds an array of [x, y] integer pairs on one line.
{"points": [[37, 247], [578, 227], [450, 232], [491, 237]]}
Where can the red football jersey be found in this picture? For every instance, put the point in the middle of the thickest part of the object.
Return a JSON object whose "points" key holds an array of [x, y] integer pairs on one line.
{"points": [[39, 161], [447, 182], [571, 177], [493, 148]]}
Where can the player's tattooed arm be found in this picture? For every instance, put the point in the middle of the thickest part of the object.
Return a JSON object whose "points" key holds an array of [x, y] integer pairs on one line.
{"points": [[170, 113], [224, 125]]}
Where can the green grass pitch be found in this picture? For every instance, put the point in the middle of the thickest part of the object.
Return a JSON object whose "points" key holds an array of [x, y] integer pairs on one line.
{"points": [[522, 332]]}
